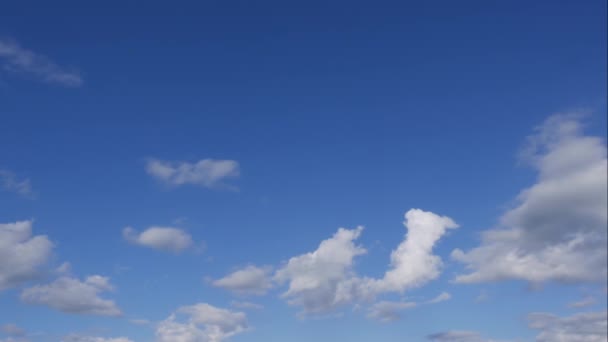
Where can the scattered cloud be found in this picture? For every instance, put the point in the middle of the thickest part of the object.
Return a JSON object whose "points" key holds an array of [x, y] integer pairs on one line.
{"points": [[582, 327], [12, 330], [385, 311], [10, 182], [246, 305], [16, 59], [202, 323], [457, 336], [139, 321], [251, 280], [442, 297], [208, 173], [82, 338], [583, 303], [322, 280], [71, 295], [557, 230], [161, 238], [21, 254]]}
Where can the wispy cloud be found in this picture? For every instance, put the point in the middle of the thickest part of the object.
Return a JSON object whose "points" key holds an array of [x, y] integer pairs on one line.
{"points": [[10, 182], [208, 173], [14, 58]]}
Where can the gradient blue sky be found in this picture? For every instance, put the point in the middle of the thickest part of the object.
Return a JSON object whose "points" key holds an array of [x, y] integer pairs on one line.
{"points": [[334, 113]]}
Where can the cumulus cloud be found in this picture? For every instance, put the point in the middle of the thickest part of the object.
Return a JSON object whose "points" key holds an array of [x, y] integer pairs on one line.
{"points": [[385, 311], [442, 297], [582, 327], [202, 323], [82, 338], [21, 254], [457, 336], [16, 59], [324, 279], [161, 238], [251, 280], [557, 231], [71, 295], [209, 173], [10, 182]]}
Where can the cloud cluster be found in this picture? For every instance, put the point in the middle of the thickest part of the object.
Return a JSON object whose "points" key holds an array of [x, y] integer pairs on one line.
{"points": [[582, 327], [16, 59], [161, 238], [21, 254], [74, 296], [558, 229], [251, 280], [208, 173], [202, 323]]}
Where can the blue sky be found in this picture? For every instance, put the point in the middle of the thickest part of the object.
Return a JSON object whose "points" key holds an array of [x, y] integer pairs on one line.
{"points": [[180, 172]]}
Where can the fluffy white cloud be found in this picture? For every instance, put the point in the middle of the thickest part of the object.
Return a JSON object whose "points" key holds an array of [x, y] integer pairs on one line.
{"points": [[21, 254], [203, 323], [9, 182], [161, 238], [583, 327], [442, 297], [385, 311], [82, 338], [322, 280], [16, 59], [557, 231], [457, 336], [208, 173], [71, 295], [413, 262], [249, 280]]}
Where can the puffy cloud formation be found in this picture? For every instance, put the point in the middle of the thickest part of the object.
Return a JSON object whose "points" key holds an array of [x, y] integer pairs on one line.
{"points": [[161, 238], [209, 173], [249, 280], [203, 323], [71, 295], [19, 60], [385, 311], [21, 254], [457, 336], [9, 182], [558, 229], [583, 327], [324, 279], [81, 338]]}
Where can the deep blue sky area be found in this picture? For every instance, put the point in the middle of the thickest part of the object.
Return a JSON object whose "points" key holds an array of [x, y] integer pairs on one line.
{"points": [[336, 113]]}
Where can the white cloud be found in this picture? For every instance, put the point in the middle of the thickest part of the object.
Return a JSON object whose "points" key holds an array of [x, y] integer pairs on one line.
{"points": [[385, 311], [209, 173], [203, 323], [12, 330], [325, 279], [161, 238], [250, 280], [582, 327], [557, 230], [139, 321], [442, 297], [16, 59], [9, 182], [585, 302], [457, 336], [21, 254], [82, 338], [71, 295]]}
